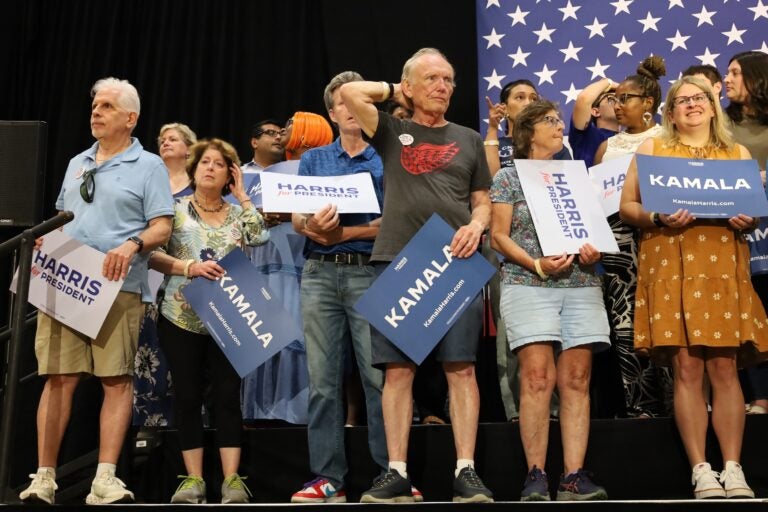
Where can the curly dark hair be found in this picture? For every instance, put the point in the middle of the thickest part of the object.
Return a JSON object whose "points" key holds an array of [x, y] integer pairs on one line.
{"points": [[647, 79], [525, 126], [754, 71]]}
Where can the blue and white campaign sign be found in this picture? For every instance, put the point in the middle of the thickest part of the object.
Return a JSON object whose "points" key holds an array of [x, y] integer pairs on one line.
{"points": [[608, 179], [253, 189], [66, 283], [706, 188], [351, 193], [424, 290], [564, 206], [248, 322], [758, 248]]}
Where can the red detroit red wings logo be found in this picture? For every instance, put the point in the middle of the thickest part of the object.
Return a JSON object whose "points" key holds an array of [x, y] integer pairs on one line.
{"points": [[427, 157]]}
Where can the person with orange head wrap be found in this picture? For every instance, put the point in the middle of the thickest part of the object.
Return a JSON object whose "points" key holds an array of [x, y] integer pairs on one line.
{"points": [[277, 390], [304, 131]]}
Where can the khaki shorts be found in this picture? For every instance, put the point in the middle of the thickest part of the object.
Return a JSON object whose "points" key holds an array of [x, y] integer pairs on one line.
{"points": [[61, 350]]}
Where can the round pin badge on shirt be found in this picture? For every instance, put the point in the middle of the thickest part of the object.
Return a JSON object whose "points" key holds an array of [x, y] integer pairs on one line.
{"points": [[79, 173], [406, 139]]}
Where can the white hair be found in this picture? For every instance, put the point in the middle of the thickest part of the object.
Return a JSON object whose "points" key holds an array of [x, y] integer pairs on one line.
{"points": [[420, 53], [128, 97]]}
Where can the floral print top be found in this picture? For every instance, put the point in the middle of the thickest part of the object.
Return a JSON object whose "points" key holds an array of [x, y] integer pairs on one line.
{"points": [[192, 238], [507, 189]]}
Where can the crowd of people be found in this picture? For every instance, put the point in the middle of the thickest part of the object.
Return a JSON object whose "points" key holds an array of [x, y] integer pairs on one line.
{"points": [[180, 212]]}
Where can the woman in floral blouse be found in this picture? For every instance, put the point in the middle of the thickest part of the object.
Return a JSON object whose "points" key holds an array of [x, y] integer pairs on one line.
{"points": [[205, 229]]}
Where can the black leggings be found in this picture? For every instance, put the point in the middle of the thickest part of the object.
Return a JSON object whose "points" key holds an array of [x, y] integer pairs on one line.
{"points": [[193, 359]]}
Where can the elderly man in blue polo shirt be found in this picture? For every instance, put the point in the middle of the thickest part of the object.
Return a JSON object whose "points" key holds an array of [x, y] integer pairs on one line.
{"points": [[121, 198]]}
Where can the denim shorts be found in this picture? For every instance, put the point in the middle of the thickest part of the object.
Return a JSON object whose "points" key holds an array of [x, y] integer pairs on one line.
{"points": [[570, 316], [458, 345]]}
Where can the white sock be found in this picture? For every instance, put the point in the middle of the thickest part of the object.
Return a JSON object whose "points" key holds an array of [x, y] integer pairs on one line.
{"points": [[463, 463], [400, 467], [45, 469], [105, 467]]}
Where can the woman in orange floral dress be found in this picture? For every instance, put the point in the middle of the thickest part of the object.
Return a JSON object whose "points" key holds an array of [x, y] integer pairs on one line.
{"points": [[695, 306]]}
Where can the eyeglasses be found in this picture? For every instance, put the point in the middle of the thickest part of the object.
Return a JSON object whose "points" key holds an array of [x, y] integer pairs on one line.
{"points": [[88, 186], [623, 98], [696, 99], [552, 121], [610, 98], [269, 132]]}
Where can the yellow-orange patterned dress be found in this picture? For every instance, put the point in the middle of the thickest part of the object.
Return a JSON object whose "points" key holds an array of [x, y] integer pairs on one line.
{"points": [[694, 286]]}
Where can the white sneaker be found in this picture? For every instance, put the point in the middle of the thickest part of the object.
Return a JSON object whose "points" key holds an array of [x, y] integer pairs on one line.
{"points": [[107, 488], [41, 490], [706, 482], [734, 482]]}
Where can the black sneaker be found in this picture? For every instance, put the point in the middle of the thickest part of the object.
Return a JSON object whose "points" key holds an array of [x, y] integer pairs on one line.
{"points": [[580, 487], [536, 486], [390, 487], [468, 488]]}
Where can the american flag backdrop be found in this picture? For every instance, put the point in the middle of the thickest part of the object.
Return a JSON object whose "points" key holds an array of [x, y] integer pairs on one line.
{"points": [[564, 45]]}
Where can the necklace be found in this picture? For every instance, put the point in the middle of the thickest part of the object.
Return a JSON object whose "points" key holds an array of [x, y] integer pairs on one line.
{"points": [[209, 210], [698, 152]]}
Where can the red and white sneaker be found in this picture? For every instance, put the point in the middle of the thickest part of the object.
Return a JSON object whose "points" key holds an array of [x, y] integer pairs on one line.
{"points": [[417, 496], [319, 490]]}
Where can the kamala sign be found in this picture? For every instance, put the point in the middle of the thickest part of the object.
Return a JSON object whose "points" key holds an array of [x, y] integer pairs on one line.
{"points": [[424, 290], [706, 188], [248, 322]]}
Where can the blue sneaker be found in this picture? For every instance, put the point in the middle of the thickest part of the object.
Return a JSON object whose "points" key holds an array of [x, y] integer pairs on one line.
{"points": [[536, 486], [580, 487]]}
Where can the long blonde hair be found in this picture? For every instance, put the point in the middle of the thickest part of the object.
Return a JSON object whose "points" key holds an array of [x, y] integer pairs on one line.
{"points": [[719, 135]]}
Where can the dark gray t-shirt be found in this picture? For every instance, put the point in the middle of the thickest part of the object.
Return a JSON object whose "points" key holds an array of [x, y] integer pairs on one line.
{"points": [[426, 171]]}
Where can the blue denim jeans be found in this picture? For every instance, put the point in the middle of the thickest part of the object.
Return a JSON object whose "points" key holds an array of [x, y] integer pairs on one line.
{"points": [[328, 294]]}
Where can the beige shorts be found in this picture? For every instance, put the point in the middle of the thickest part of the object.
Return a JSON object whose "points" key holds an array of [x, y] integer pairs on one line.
{"points": [[61, 350]]}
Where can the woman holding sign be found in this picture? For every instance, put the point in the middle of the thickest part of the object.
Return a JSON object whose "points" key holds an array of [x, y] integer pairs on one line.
{"points": [[550, 305], [205, 229], [695, 306]]}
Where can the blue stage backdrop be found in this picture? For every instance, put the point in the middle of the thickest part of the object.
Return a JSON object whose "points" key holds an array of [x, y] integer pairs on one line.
{"points": [[564, 45]]}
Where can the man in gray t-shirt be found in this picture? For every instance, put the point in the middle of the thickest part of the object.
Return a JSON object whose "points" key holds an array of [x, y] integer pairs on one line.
{"points": [[430, 166]]}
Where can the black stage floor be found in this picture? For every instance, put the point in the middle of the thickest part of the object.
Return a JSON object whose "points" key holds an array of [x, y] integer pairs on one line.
{"points": [[640, 462]]}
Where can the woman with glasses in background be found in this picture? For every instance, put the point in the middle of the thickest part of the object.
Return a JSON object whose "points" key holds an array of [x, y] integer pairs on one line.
{"points": [[279, 388], [550, 305], [647, 389], [695, 307]]}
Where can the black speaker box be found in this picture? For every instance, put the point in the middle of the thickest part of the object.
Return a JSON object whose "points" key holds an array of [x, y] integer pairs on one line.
{"points": [[22, 168]]}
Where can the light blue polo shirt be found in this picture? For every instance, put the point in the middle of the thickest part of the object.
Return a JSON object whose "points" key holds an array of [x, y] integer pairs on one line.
{"points": [[132, 188]]}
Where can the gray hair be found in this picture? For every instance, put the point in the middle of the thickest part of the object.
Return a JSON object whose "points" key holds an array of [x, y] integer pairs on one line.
{"points": [[342, 78], [407, 67], [128, 97]]}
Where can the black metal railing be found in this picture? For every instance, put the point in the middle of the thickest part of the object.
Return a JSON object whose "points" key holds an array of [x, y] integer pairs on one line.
{"points": [[24, 242]]}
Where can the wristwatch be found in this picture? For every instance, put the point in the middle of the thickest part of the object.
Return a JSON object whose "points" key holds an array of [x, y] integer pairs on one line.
{"points": [[138, 241], [656, 218]]}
